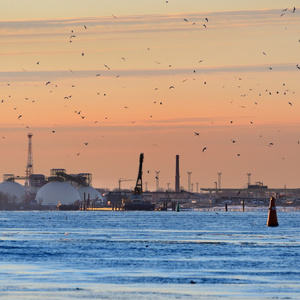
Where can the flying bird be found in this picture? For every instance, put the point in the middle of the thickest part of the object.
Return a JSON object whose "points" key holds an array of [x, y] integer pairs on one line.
{"points": [[203, 149], [197, 133], [19, 117], [107, 67], [48, 82], [86, 143], [290, 103]]}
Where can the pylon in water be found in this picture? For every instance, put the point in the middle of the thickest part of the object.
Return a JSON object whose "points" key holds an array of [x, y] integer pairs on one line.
{"points": [[272, 217]]}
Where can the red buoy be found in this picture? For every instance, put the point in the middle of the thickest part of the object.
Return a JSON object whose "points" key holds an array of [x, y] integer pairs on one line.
{"points": [[272, 217]]}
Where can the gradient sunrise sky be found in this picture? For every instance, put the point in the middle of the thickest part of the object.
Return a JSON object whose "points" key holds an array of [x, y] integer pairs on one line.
{"points": [[158, 77]]}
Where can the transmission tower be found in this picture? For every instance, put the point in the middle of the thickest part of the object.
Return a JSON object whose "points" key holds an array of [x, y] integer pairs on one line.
{"points": [[219, 180], [157, 180], [29, 166], [249, 178], [189, 181]]}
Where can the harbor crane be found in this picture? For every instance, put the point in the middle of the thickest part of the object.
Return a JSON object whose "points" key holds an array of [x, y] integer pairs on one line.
{"points": [[124, 179], [138, 190]]}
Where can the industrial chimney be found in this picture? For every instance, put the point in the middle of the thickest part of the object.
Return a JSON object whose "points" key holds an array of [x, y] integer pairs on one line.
{"points": [[177, 184]]}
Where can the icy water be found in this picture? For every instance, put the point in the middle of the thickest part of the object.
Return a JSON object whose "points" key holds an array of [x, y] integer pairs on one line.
{"points": [[149, 255]]}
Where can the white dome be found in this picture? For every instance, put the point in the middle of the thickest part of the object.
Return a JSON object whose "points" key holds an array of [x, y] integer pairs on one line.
{"points": [[54, 192], [14, 190], [88, 190]]}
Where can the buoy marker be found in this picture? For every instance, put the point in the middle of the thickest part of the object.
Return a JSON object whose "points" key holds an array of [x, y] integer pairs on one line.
{"points": [[272, 217]]}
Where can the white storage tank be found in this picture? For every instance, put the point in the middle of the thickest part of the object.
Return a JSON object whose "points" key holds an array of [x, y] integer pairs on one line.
{"points": [[15, 191], [57, 192], [89, 192]]}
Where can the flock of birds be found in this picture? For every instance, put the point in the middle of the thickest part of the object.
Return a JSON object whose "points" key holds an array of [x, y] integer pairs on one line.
{"points": [[205, 24]]}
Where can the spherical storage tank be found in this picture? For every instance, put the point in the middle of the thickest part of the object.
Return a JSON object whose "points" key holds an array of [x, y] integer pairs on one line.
{"points": [[57, 192], [89, 192], [15, 191]]}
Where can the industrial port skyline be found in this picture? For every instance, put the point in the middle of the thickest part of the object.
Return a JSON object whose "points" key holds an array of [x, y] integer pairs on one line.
{"points": [[191, 186], [97, 83]]}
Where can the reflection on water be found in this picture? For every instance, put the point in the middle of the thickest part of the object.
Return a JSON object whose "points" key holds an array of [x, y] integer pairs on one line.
{"points": [[148, 255]]}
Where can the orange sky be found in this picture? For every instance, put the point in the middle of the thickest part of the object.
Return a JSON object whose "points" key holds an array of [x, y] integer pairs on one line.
{"points": [[148, 80]]}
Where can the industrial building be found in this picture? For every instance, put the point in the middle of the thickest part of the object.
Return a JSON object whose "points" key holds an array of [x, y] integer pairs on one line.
{"points": [[46, 191], [60, 188]]}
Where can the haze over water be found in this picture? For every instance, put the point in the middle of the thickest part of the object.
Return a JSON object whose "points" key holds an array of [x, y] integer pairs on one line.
{"points": [[148, 255]]}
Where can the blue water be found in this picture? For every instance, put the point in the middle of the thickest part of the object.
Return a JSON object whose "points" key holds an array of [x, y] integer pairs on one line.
{"points": [[149, 255]]}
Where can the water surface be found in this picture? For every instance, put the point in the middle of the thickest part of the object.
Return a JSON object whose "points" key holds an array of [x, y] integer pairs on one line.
{"points": [[149, 255]]}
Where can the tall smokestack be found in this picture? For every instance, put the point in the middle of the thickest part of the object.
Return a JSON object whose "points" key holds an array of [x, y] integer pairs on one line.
{"points": [[177, 184]]}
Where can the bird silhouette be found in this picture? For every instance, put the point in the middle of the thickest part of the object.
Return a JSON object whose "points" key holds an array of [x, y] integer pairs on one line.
{"points": [[203, 149]]}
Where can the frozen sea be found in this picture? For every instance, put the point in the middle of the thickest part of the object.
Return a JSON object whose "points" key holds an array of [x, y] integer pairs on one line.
{"points": [[149, 255]]}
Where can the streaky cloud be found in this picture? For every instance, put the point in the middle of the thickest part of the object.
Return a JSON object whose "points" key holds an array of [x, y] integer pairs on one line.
{"points": [[144, 23], [61, 74]]}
